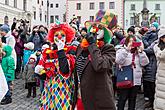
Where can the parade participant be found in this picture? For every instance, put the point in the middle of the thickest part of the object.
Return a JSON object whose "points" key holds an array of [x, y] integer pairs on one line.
{"points": [[29, 75], [133, 57], [8, 69], [95, 57], [57, 64], [159, 50]]}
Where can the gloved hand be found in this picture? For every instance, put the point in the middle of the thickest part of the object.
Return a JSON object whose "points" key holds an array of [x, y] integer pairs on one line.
{"points": [[91, 38], [60, 44]]}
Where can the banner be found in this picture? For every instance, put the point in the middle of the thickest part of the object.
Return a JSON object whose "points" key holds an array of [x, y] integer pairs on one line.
{"points": [[3, 84]]}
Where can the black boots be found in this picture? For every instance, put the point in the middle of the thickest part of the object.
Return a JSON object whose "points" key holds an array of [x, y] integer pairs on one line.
{"points": [[6, 100], [29, 92], [34, 92]]}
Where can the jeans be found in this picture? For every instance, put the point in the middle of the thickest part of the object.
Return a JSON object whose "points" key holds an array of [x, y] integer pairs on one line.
{"points": [[41, 85], [129, 94], [8, 94], [19, 64], [149, 90]]}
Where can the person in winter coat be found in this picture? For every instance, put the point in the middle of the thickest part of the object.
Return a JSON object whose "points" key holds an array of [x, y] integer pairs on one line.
{"points": [[19, 46], [133, 55], [159, 49], [8, 69], [36, 38], [29, 75], [28, 50], [43, 31], [118, 36], [149, 75], [8, 39], [94, 59]]}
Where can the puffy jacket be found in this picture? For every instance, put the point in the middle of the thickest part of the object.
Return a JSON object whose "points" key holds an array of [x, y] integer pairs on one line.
{"points": [[26, 55], [149, 38], [124, 58], [159, 103], [151, 68], [8, 64]]}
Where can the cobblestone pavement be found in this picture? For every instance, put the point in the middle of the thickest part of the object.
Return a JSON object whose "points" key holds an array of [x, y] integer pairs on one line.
{"points": [[20, 102]]}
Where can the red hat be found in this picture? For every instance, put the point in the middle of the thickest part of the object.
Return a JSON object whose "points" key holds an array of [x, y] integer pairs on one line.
{"points": [[70, 33]]}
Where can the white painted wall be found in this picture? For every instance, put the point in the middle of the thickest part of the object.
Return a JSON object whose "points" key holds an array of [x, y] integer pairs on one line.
{"points": [[85, 12], [60, 11]]}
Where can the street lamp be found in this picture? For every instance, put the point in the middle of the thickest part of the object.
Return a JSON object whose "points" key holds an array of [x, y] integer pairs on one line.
{"points": [[145, 15]]}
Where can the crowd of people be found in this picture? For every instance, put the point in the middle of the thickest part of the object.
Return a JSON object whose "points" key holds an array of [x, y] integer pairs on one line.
{"points": [[85, 67]]}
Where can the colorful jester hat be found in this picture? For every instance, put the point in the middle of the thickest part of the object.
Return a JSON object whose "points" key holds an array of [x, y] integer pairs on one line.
{"points": [[58, 27], [107, 20]]}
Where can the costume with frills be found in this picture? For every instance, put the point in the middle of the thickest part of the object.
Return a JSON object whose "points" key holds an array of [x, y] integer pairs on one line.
{"points": [[58, 86]]}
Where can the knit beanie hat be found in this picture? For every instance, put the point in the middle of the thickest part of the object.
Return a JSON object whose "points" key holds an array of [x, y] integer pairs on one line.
{"points": [[132, 29], [161, 32], [155, 24], [84, 29], [29, 45], [5, 28], [33, 56]]}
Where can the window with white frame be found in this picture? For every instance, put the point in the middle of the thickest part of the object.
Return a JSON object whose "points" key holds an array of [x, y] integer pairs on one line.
{"points": [[111, 5], [101, 5], [132, 6], [92, 6], [78, 6], [157, 6]]}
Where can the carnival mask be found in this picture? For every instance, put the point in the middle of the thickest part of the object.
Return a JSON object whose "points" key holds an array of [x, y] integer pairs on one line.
{"points": [[60, 35], [98, 29]]}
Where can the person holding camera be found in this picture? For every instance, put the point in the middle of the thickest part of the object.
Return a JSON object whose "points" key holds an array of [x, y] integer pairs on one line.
{"points": [[36, 38], [133, 57]]}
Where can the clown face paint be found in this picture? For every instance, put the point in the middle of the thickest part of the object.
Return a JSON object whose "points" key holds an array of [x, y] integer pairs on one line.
{"points": [[100, 34], [60, 35]]}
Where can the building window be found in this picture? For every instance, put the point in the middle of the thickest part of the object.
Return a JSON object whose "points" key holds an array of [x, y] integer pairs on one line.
{"points": [[42, 2], [132, 21], [78, 6], [6, 20], [57, 5], [101, 5], [79, 19], [38, 1], [15, 3], [24, 5], [111, 5], [45, 18], [91, 6], [40, 16], [51, 19], [51, 5], [157, 6], [91, 18], [34, 15], [132, 6], [57, 17], [6, 2]]}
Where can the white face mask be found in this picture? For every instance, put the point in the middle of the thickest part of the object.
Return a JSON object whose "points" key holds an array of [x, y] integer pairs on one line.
{"points": [[100, 34]]}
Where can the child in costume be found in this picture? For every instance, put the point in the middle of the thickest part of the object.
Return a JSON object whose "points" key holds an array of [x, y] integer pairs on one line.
{"points": [[58, 66], [29, 76], [8, 69]]}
